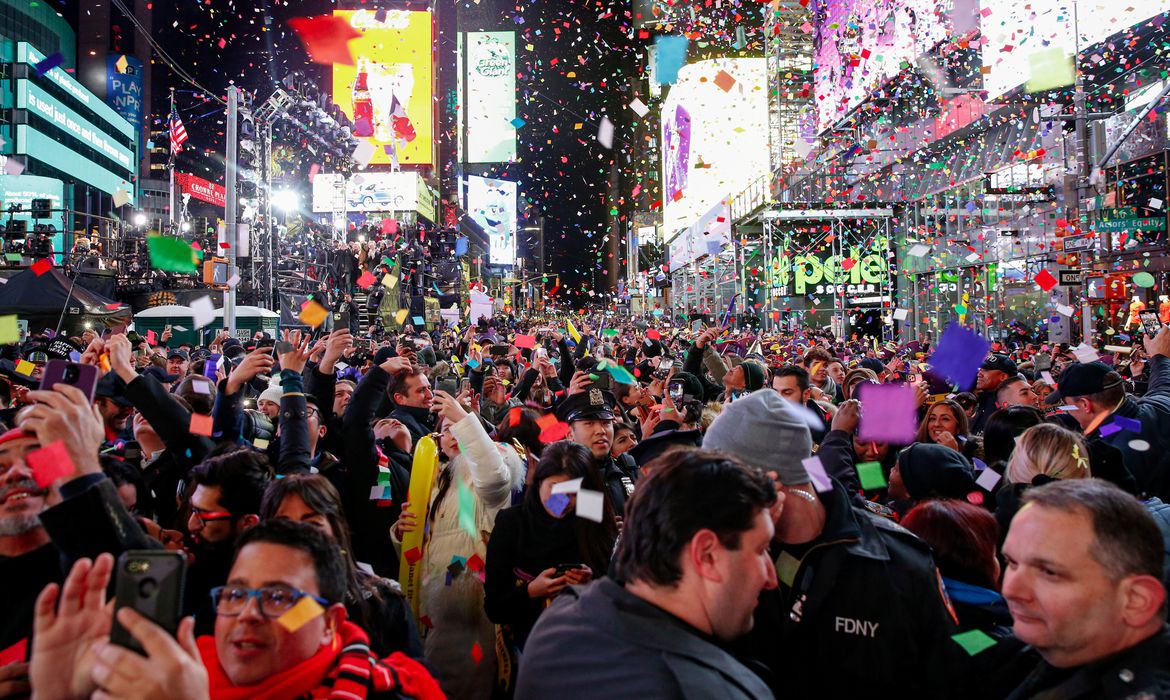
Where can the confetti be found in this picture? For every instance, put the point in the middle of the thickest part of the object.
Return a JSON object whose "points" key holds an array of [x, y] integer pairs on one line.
{"points": [[50, 463], [305, 611]]}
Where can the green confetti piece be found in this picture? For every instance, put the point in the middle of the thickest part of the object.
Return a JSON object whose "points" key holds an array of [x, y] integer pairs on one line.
{"points": [[12, 257], [467, 509], [610, 332], [1144, 280], [621, 375], [786, 568], [871, 475], [171, 254], [974, 641]]}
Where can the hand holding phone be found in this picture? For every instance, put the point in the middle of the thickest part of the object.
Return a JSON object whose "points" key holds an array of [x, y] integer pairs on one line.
{"points": [[151, 582], [84, 377]]}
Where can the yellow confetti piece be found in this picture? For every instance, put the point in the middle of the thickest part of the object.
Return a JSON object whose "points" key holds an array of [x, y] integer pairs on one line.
{"points": [[9, 330], [313, 314], [306, 610], [390, 281], [25, 367], [400, 317]]}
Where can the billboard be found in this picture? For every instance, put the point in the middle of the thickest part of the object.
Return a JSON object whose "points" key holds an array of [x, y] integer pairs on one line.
{"points": [[492, 205], [124, 89], [388, 92], [714, 140], [1013, 31], [203, 190], [491, 97], [860, 44], [366, 192]]}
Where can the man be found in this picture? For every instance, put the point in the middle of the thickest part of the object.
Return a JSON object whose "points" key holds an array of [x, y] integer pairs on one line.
{"points": [[1083, 584], [342, 393], [225, 503], [860, 603], [994, 371], [255, 652], [692, 561], [590, 415], [816, 361], [1014, 391], [110, 399], [177, 362], [413, 398], [27, 560], [1099, 395], [794, 386]]}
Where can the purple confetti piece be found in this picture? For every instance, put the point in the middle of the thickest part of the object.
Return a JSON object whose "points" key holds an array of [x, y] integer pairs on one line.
{"points": [[557, 503], [1107, 430], [959, 354], [1133, 425], [50, 63]]}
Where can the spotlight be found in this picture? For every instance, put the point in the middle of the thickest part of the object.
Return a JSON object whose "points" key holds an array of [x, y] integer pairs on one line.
{"points": [[140, 219]]}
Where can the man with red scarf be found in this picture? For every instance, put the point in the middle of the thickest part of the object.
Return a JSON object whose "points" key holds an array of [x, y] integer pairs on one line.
{"points": [[257, 652]]}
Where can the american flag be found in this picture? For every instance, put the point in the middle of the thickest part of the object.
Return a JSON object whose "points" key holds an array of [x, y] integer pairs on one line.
{"points": [[178, 132]]}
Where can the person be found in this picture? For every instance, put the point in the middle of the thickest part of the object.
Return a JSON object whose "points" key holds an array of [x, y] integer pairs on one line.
{"points": [[1001, 431], [485, 474], [590, 415], [1099, 395], [994, 371], [538, 548], [692, 561], [923, 471], [964, 539], [794, 384], [413, 399], [252, 653], [624, 439], [1083, 584], [852, 585], [946, 424], [375, 604], [178, 360], [1015, 391]]}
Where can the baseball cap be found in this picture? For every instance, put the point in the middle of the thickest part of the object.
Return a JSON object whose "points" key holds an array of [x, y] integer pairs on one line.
{"points": [[1088, 378], [1003, 363], [180, 353]]}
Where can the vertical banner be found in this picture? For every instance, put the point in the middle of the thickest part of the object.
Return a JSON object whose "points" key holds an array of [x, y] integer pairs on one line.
{"points": [[491, 97], [492, 205], [124, 91]]}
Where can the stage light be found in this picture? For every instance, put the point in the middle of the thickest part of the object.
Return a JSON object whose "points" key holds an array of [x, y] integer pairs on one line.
{"points": [[140, 219], [286, 200]]}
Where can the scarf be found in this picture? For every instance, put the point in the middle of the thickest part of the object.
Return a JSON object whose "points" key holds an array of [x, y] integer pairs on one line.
{"points": [[345, 670]]}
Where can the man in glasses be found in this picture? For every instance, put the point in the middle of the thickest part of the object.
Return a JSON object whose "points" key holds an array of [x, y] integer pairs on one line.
{"points": [[269, 641], [225, 502]]}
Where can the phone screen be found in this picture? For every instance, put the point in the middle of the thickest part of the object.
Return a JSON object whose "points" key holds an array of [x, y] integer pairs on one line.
{"points": [[1150, 322]]}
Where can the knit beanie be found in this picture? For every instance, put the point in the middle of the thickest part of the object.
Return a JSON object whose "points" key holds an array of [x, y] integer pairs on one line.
{"points": [[765, 431], [934, 471], [753, 375], [272, 393]]}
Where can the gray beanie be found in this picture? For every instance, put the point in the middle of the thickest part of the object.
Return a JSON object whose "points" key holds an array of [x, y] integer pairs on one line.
{"points": [[765, 431], [272, 393]]}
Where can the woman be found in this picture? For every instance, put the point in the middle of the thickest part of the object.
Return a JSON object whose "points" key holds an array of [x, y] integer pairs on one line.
{"points": [[925, 471], [946, 424], [1044, 453], [538, 547], [1001, 431], [479, 476], [376, 604], [963, 537]]}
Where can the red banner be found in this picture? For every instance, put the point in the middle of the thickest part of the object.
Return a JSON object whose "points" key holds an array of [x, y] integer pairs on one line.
{"points": [[203, 190]]}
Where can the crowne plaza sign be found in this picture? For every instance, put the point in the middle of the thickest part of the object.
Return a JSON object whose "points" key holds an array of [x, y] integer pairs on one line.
{"points": [[203, 190]]}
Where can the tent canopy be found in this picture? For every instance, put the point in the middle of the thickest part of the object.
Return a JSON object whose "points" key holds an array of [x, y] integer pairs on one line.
{"points": [[41, 297]]}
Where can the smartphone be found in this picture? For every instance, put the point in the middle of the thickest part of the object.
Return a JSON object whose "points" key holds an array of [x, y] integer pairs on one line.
{"points": [[151, 582], [84, 377], [341, 319], [1150, 322], [563, 568], [541, 353], [676, 391], [465, 386], [603, 381], [499, 350]]}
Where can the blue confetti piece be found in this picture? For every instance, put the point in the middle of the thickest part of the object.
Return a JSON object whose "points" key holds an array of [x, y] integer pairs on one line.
{"points": [[1133, 425], [557, 503], [518, 122], [50, 63], [671, 55], [1111, 428], [959, 354]]}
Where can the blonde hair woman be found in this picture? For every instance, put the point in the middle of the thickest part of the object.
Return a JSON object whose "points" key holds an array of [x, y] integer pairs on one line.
{"points": [[1049, 450]]}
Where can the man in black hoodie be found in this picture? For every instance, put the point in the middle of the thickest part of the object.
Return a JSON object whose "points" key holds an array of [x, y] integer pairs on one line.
{"points": [[412, 396]]}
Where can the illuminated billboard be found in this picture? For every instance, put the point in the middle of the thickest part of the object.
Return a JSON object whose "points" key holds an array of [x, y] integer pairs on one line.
{"points": [[492, 205], [366, 192], [388, 92], [861, 44], [714, 137], [491, 97], [1013, 31]]}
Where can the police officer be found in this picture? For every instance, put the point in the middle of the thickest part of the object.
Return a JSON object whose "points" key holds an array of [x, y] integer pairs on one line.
{"points": [[860, 603], [589, 411]]}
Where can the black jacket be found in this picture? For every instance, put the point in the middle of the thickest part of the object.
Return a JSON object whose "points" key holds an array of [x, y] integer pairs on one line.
{"points": [[985, 401], [601, 641], [619, 476], [1151, 467], [862, 610], [1142, 671], [992, 673], [419, 421]]}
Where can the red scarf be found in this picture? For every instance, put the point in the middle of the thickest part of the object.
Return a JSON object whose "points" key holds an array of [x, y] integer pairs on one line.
{"points": [[319, 677]]}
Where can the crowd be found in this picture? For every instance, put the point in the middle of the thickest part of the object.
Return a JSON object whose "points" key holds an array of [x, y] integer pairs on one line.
{"points": [[548, 507]]}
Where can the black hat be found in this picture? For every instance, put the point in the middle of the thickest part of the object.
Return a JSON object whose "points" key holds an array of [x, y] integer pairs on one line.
{"points": [[178, 352], [934, 471], [651, 347], [873, 364], [1003, 363], [1088, 378], [692, 387], [113, 388], [60, 349], [593, 404], [8, 370], [658, 443]]}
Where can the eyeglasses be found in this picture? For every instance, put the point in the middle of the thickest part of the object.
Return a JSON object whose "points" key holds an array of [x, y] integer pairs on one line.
{"points": [[210, 516], [274, 600]]}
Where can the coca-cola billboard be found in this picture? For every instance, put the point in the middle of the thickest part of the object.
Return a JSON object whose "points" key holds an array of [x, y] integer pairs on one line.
{"points": [[203, 190]]}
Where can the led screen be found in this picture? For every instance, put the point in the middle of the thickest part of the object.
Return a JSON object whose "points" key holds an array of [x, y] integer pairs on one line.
{"points": [[492, 204]]}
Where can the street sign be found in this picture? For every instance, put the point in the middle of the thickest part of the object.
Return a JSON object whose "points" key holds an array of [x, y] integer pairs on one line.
{"points": [[1070, 278], [1079, 244], [1127, 219]]}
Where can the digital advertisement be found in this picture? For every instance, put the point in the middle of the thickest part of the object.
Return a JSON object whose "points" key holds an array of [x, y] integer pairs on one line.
{"points": [[388, 92], [714, 137], [366, 192], [492, 204], [491, 97]]}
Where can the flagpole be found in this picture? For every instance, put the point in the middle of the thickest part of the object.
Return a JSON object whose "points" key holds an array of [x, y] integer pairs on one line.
{"points": [[171, 161]]}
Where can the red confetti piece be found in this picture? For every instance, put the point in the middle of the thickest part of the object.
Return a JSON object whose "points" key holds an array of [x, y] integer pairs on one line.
{"points": [[514, 416], [366, 280], [555, 433], [50, 463], [201, 424], [476, 653], [41, 266], [326, 38], [1045, 280], [412, 555]]}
